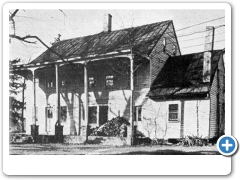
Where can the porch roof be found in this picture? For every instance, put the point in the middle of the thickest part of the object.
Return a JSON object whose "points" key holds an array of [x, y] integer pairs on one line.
{"points": [[183, 76], [141, 39]]}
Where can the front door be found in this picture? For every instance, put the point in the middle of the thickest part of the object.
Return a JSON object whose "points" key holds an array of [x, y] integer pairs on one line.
{"points": [[103, 114]]}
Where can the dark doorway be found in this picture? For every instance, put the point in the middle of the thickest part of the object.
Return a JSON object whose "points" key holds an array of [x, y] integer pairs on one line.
{"points": [[103, 114], [92, 114]]}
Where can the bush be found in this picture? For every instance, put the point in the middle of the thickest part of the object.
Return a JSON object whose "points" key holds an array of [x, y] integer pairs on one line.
{"points": [[194, 141], [20, 138]]}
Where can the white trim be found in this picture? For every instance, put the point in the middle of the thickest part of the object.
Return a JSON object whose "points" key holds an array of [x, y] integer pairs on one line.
{"points": [[98, 112], [179, 111]]}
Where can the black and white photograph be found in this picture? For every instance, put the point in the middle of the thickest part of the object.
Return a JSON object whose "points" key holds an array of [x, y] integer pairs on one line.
{"points": [[116, 81]]}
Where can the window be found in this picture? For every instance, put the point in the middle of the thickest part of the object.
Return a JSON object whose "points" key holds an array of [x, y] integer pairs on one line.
{"points": [[109, 81], [49, 112], [173, 112], [63, 113], [50, 84], [138, 113], [92, 114], [63, 83], [91, 82]]}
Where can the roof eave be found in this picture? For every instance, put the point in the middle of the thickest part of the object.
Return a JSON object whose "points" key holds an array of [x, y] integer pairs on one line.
{"points": [[77, 59], [199, 95]]}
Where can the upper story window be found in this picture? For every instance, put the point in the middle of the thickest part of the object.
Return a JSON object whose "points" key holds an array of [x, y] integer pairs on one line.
{"points": [[91, 82], [50, 84], [109, 81], [63, 83], [173, 111]]}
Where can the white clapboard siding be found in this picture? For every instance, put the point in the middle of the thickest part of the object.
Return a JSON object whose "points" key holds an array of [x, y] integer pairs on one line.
{"points": [[196, 123]]}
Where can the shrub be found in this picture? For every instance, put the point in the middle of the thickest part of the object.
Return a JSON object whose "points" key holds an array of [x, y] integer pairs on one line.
{"points": [[194, 141]]}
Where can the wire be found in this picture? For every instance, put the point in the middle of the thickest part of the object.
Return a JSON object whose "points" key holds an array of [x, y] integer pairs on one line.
{"points": [[196, 32], [201, 44], [200, 23], [201, 37]]}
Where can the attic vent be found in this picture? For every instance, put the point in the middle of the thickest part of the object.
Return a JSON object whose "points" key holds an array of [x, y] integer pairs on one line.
{"points": [[107, 23], [174, 50], [164, 44]]}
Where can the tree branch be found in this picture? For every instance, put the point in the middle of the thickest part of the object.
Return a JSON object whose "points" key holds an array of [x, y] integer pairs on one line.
{"points": [[13, 15], [24, 39], [63, 12]]}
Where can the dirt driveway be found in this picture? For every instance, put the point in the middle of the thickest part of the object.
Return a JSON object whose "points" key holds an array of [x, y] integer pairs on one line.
{"points": [[70, 149]]}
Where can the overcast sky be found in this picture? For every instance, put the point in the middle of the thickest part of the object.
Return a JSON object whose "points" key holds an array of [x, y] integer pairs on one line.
{"points": [[47, 24]]}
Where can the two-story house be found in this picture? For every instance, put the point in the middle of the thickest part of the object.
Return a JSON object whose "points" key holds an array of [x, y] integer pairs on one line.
{"points": [[89, 80]]}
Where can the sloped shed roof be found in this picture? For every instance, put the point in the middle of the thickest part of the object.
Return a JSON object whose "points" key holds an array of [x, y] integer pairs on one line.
{"points": [[141, 38], [183, 75]]}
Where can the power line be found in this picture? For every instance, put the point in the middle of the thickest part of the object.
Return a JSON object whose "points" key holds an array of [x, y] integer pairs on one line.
{"points": [[200, 23], [189, 34], [196, 32], [201, 37], [201, 44]]}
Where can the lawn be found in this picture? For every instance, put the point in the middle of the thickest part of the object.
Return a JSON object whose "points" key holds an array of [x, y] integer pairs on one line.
{"points": [[72, 149]]}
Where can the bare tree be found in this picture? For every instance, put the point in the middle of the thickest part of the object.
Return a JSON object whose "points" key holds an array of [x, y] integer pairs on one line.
{"points": [[30, 39], [157, 120]]}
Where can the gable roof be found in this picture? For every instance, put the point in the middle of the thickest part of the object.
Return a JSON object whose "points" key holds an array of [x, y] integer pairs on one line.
{"points": [[183, 76], [143, 39]]}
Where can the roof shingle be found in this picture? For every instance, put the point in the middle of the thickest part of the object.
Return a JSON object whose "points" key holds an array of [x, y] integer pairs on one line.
{"points": [[141, 38], [183, 75]]}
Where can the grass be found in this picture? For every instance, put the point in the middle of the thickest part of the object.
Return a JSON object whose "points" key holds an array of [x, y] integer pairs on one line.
{"points": [[72, 149]]}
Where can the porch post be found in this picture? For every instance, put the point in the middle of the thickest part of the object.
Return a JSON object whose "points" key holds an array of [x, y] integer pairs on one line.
{"points": [[131, 130], [34, 126], [86, 99], [58, 126], [58, 94], [34, 99]]}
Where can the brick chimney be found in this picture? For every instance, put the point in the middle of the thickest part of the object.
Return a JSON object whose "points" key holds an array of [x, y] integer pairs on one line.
{"points": [[107, 23], [208, 48]]}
